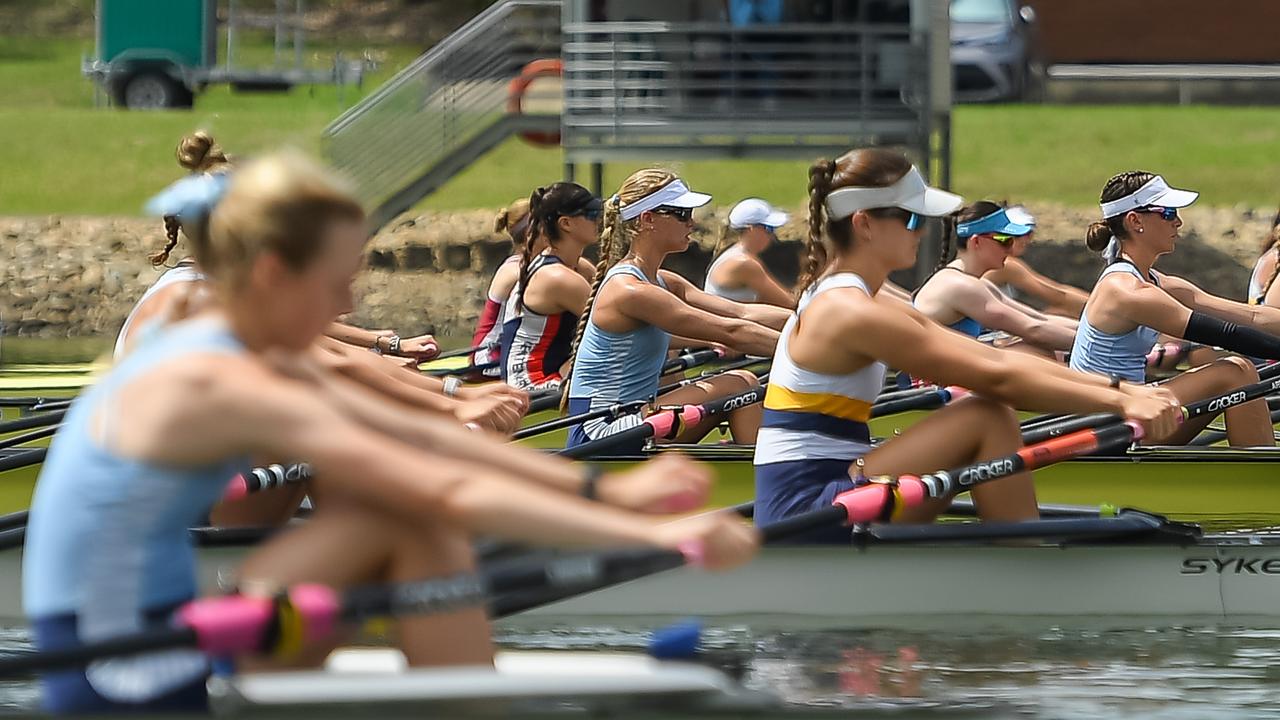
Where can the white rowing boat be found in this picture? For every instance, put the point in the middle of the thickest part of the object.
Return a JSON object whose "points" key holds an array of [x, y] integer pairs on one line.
{"points": [[1129, 570], [358, 683]]}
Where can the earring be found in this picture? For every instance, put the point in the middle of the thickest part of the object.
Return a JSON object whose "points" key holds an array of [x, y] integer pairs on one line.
{"points": [[1139, 229]]}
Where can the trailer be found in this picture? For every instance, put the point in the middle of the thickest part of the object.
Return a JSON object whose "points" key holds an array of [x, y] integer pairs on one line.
{"points": [[156, 54]]}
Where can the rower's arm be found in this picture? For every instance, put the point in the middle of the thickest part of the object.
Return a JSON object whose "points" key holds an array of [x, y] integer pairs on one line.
{"points": [[767, 315], [353, 335], [981, 301], [751, 273], [1261, 317], [648, 303], [377, 374], [909, 341], [1056, 296]]}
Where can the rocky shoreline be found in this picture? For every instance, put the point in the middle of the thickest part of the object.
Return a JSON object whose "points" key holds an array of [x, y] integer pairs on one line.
{"points": [[79, 276]]}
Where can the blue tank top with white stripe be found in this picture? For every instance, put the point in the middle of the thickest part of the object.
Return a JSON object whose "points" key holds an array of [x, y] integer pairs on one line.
{"points": [[107, 537], [1106, 353], [614, 367]]}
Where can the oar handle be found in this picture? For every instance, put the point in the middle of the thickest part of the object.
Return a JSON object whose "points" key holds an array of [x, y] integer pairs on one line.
{"points": [[266, 478]]}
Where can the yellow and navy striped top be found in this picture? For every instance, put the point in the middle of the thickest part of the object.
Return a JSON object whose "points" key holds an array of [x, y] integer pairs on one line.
{"points": [[810, 415]]}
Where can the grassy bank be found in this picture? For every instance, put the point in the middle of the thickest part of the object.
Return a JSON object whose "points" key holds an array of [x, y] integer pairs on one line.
{"points": [[64, 156]]}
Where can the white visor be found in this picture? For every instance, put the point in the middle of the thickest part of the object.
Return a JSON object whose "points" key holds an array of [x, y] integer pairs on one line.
{"points": [[909, 193], [1154, 192], [673, 194]]}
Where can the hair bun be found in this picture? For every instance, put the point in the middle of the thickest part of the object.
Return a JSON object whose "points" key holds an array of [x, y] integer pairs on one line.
{"points": [[1097, 236], [198, 152]]}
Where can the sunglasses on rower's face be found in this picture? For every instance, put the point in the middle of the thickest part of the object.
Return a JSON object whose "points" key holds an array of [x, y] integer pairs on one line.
{"points": [[592, 215], [913, 221], [1169, 214], [680, 214], [1003, 239]]}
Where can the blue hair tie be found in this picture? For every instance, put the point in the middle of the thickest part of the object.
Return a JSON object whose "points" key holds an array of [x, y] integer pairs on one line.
{"points": [[190, 199]]}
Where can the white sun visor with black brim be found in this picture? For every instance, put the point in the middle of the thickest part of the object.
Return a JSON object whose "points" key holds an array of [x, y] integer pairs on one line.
{"points": [[910, 193], [673, 194], [1153, 192]]}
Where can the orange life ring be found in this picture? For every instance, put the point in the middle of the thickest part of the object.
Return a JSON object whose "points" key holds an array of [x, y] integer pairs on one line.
{"points": [[551, 67]]}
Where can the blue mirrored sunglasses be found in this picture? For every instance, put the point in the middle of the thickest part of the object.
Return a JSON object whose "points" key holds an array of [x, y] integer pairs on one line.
{"points": [[1164, 212], [914, 220]]}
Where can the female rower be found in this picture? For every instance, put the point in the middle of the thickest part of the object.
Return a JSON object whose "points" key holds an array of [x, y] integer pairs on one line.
{"points": [[1266, 268], [1056, 298], [514, 221], [966, 302], [181, 287], [635, 308], [870, 205], [738, 273], [137, 462], [1131, 305], [552, 289]]}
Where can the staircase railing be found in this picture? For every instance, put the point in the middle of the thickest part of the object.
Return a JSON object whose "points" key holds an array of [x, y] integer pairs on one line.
{"points": [[407, 136]]}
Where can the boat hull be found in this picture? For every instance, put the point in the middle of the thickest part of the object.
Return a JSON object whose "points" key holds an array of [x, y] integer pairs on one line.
{"points": [[909, 585]]}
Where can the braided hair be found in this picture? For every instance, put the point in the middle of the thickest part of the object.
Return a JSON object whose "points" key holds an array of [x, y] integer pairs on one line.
{"points": [[196, 153], [615, 235], [865, 167]]}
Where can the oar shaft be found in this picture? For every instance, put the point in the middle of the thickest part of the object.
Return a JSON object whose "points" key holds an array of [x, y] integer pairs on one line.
{"points": [[24, 458], [29, 437], [612, 412], [32, 421]]}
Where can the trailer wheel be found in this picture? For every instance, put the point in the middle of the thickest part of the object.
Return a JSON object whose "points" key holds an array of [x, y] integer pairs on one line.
{"points": [[152, 90]]}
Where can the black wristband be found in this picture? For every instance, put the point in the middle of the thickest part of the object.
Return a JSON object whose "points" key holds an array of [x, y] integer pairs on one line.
{"points": [[1209, 330], [591, 475], [1115, 380]]}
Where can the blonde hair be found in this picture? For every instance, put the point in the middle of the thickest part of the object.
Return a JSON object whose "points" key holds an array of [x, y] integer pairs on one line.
{"points": [[196, 153], [616, 235], [514, 221], [281, 204]]}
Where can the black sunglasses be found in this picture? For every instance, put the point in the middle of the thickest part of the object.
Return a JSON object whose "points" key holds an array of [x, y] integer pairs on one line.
{"points": [[681, 214], [591, 214]]}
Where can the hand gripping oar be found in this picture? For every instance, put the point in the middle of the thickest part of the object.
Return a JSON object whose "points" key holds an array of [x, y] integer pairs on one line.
{"points": [[666, 423], [239, 624], [32, 421]]}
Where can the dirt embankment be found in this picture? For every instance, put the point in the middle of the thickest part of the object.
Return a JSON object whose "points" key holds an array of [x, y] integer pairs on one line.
{"points": [[75, 276]]}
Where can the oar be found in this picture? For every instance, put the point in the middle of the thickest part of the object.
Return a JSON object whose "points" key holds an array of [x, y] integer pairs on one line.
{"points": [[29, 437], [613, 412], [47, 405], [21, 402], [465, 370], [666, 423], [239, 624], [549, 399], [13, 526], [460, 352], [926, 399], [32, 421], [22, 459], [1209, 437]]}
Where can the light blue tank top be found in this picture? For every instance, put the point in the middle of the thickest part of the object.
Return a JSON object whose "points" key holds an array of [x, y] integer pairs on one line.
{"points": [[107, 536], [619, 367], [1104, 353]]}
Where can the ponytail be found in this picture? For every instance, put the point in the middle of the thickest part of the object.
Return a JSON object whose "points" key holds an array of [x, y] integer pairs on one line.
{"points": [[531, 238], [171, 227]]}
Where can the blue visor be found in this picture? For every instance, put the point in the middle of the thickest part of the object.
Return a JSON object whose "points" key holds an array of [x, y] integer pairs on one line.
{"points": [[997, 222]]}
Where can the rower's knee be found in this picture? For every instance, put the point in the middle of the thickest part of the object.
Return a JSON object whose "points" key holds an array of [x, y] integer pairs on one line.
{"points": [[992, 414], [1235, 371], [745, 378]]}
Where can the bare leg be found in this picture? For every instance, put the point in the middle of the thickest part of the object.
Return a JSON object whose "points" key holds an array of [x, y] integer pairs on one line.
{"points": [[1247, 425], [346, 543], [743, 422], [966, 431]]}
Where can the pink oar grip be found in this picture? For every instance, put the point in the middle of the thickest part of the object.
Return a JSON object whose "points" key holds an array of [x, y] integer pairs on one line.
{"points": [[1136, 427], [237, 488], [691, 415], [228, 625], [319, 607], [694, 551], [863, 504], [662, 423], [911, 490]]}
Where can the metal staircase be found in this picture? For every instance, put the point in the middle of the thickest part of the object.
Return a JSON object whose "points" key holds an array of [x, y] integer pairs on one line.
{"points": [[446, 109]]}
